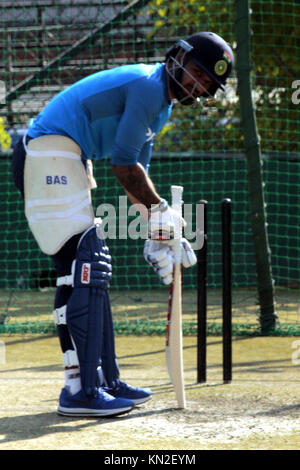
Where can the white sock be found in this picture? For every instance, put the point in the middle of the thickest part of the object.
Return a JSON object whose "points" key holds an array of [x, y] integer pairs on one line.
{"points": [[101, 377], [72, 380]]}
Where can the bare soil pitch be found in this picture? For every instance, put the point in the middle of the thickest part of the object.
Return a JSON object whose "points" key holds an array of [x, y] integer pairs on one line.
{"points": [[260, 409]]}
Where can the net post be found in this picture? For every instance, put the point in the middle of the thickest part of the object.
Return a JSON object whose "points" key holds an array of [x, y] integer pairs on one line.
{"points": [[257, 205]]}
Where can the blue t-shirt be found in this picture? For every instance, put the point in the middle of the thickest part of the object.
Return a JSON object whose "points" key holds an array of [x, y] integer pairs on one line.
{"points": [[114, 113]]}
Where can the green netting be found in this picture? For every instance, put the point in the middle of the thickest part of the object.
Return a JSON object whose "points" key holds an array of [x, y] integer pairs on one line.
{"points": [[200, 148]]}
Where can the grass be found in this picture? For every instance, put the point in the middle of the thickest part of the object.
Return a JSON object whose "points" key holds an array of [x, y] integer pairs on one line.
{"points": [[145, 312]]}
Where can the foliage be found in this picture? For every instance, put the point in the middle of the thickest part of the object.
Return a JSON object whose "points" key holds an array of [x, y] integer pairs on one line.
{"points": [[5, 139], [275, 33]]}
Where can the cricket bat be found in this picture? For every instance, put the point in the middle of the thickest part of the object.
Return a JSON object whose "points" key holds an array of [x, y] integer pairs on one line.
{"points": [[174, 357]]}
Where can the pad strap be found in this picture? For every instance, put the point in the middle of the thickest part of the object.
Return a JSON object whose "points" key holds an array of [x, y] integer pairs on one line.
{"points": [[65, 280], [59, 314], [70, 358]]}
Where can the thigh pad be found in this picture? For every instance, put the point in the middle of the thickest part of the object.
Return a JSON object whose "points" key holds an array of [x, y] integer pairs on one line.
{"points": [[57, 192]]}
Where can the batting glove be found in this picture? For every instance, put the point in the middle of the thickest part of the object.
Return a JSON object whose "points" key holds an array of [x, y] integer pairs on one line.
{"points": [[164, 223], [160, 257], [162, 226], [188, 257]]}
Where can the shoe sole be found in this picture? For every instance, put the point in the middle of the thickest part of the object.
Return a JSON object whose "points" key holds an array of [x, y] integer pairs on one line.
{"points": [[139, 401], [86, 412]]}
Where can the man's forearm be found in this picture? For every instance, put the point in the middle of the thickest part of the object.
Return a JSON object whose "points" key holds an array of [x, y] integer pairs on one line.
{"points": [[136, 182]]}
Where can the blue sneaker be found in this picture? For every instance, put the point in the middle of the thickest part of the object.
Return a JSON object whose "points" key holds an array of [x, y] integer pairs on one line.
{"points": [[135, 394], [101, 405]]}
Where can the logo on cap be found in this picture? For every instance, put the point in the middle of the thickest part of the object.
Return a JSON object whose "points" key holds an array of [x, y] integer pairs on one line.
{"points": [[220, 67]]}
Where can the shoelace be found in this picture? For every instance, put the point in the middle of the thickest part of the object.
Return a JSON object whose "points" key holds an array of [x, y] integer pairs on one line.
{"points": [[121, 386]]}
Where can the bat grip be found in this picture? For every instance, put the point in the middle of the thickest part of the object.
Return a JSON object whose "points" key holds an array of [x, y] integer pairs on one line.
{"points": [[177, 202], [176, 192]]}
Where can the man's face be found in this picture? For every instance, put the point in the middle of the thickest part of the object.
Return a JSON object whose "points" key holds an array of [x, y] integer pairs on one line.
{"points": [[195, 81], [187, 81]]}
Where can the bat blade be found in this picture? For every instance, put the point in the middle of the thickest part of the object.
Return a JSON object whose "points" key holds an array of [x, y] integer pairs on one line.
{"points": [[174, 358]]}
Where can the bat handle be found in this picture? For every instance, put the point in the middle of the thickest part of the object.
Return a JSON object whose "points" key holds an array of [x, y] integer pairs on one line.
{"points": [[176, 192]]}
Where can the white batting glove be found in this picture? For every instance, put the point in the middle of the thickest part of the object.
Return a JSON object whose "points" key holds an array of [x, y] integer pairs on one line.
{"points": [[160, 257], [164, 223], [162, 233], [188, 257]]}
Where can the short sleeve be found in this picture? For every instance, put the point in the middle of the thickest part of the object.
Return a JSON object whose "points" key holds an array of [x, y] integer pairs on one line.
{"points": [[143, 105], [145, 155]]}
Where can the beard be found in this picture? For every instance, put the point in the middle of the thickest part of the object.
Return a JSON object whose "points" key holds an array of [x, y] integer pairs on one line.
{"points": [[180, 94]]}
